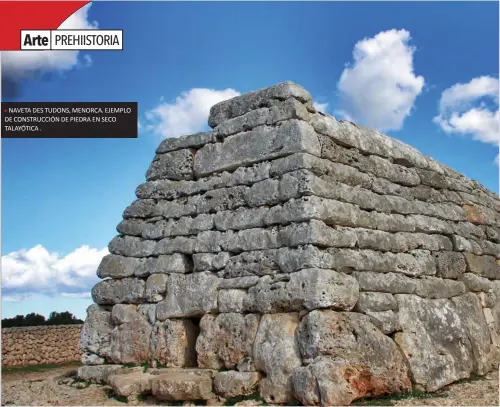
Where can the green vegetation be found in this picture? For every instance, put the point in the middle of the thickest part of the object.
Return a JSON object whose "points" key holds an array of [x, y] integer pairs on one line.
{"points": [[37, 368], [387, 400], [33, 319]]}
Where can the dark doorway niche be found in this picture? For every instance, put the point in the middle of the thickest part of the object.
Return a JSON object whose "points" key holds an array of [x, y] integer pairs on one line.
{"points": [[192, 336]]}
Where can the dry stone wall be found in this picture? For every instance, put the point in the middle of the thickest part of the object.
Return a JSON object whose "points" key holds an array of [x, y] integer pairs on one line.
{"points": [[36, 345], [301, 257]]}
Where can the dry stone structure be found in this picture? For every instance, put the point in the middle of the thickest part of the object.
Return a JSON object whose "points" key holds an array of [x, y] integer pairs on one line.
{"points": [[34, 345], [299, 257]]}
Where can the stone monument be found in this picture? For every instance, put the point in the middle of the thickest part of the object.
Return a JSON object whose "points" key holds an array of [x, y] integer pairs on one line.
{"points": [[293, 256]]}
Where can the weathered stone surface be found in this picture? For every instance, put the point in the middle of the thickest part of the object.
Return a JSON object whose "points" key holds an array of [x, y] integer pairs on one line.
{"points": [[433, 287], [242, 104], [188, 295], [246, 365], [437, 338], [116, 291], [176, 165], [306, 289], [172, 343], [130, 246], [96, 331], [195, 140], [235, 300], [178, 385], [370, 141], [279, 111], [373, 301], [126, 385], [475, 283], [260, 144], [141, 208], [259, 263], [100, 373], [386, 321], [343, 357], [129, 340], [385, 283], [117, 266], [450, 264], [210, 261], [225, 339], [485, 266], [239, 282], [233, 383], [92, 359], [283, 215], [156, 286], [276, 354], [483, 353], [148, 311], [461, 244]]}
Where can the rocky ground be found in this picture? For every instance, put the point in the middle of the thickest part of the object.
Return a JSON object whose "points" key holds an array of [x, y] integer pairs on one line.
{"points": [[59, 387]]}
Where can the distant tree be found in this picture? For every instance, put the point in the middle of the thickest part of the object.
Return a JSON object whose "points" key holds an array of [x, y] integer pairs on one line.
{"points": [[33, 319], [63, 318]]}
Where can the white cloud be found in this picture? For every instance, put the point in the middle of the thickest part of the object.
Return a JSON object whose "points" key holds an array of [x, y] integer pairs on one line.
{"points": [[320, 107], [379, 89], [188, 114], [37, 271], [22, 64], [463, 110]]}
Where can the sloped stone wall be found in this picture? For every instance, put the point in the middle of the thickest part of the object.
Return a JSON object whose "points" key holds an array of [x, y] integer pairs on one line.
{"points": [[301, 257], [34, 345]]}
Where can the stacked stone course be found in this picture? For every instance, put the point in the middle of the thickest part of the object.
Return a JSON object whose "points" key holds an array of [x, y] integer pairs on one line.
{"points": [[297, 256], [34, 345]]}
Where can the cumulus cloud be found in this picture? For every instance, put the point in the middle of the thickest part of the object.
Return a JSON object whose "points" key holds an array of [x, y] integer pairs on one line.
{"points": [[37, 271], [188, 114], [471, 109], [320, 107], [380, 87], [20, 65]]}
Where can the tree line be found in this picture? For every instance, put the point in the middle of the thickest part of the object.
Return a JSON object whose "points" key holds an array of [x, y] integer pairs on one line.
{"points": [[33, 319]]}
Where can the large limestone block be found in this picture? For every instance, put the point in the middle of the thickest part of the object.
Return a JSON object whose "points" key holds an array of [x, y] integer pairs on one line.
{"points": [[177, 165], [450, 264], [126, 385], [116, 291], [279, 111], [101, 373], [131, 246], [240, 105], [260, 144], [117, 266], [373, 301], [438, 338], [182, 385], [188, 295], [234, 384], [96, 330], [173, 343], [226, 339], [347, 358], [195, 140], [371, 142], [277, 355], [156, 285], [129, 340], [474, 320], [306, 289], [485, 266]]}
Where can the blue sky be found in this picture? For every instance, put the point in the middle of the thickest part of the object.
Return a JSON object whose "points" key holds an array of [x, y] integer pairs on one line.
{"points": [[425, 73]]}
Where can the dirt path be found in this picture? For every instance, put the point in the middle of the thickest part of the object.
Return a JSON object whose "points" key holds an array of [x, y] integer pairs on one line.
{"points": [[58, 387]]}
